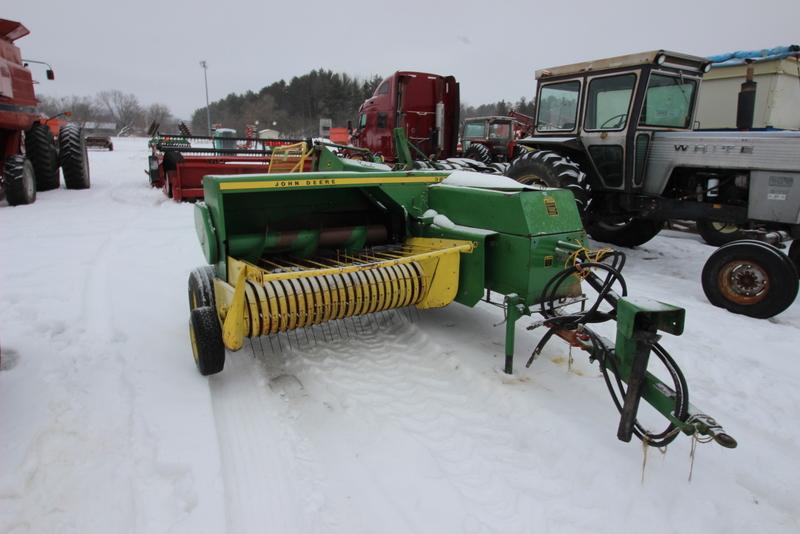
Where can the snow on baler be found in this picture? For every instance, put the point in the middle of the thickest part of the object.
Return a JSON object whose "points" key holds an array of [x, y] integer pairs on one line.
{"points": [[300, 250]]}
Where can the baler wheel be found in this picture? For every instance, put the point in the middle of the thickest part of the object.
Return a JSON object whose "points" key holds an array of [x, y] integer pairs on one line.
{"points": [[205, 331], [551, 169], [750, 278], [479, 152], [41, 151], [74, 158], [201, 287], [205, 334], [19, 181]]}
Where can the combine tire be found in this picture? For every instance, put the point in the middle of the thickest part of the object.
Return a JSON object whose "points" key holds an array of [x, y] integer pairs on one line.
{"points": [[794, 254], [74, 158], [751, 278], [631, 233], [42, 153], [479, 152], [205, 332], [19, 180], [719, 233], [551, 169]]}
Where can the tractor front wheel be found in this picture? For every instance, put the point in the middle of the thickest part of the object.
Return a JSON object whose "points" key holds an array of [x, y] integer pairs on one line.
{"points": [[751, 278], [794, 254], [630, 233], [551, 169], [41, 151], [19, 180], [74, 157]]}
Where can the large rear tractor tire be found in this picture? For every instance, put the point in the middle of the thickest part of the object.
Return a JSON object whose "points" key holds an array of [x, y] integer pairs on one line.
{"points": [[19, 180], [719, 233], [631, 233], [205, 332], [74, 157], [551, 169], [41, 151], [479, 152], [750, 278]]}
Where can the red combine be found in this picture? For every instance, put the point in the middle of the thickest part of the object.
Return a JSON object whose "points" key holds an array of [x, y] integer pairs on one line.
{"points": [[29, 154], [425, 105]]}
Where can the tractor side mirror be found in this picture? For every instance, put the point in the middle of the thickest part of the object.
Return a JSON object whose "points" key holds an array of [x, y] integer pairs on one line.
{"points": [[349, 126], [50, 74]]}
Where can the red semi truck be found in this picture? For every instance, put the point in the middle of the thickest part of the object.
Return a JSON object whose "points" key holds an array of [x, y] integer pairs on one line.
{"points": [[425, 105]]}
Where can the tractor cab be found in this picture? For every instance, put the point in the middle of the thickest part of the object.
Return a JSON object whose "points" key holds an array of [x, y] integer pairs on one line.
{"points": [[497, 133], [604, 113]]}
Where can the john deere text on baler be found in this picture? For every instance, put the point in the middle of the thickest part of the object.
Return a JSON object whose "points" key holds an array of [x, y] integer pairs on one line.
{"points": [[289, 251]]}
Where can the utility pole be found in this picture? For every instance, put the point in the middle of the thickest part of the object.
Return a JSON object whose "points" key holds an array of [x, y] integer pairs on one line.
{"points": [[208, 110]]}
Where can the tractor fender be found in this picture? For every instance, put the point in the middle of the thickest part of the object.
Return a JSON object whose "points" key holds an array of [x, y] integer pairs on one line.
{"points": [[571, 143]]}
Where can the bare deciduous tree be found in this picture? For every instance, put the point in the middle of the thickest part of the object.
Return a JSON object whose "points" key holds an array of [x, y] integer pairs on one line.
{"points": [[157, 113], [124, 108]]}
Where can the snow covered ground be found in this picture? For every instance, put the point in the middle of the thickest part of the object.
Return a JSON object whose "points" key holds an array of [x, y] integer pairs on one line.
{"points": [[106, 427]]}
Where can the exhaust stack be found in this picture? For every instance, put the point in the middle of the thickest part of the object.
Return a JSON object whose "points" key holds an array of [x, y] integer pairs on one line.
{"points": [[747, 101]]}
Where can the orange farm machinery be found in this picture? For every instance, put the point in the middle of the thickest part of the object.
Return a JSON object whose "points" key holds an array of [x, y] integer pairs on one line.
{"points": [[30, 153]]}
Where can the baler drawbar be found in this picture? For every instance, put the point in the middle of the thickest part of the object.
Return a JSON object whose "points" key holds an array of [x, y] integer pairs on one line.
{"points": [[296, 250]]}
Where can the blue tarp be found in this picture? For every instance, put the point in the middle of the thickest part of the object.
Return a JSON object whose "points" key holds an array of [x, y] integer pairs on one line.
{"points": [[738, 58]]}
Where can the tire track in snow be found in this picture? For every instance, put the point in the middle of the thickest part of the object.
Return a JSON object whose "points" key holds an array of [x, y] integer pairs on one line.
{"points": [[269, 474], [394, 375]]}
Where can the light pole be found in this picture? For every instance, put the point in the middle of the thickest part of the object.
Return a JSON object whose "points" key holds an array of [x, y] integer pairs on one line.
{"points": [[208, 110]]}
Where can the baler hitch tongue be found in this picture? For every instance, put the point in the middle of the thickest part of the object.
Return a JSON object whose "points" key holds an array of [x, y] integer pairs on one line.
{"points": [[708, 426]]}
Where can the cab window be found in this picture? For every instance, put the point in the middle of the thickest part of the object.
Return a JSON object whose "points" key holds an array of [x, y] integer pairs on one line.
{"points": [[500, 131], [668, 102], [362, 120], [608, 102], [558, 106], [383, 88], [474, 129]]}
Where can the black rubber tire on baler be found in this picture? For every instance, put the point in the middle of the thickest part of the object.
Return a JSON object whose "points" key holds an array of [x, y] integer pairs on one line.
{"points": [[478, 152], [19, 180], [205, 334], [201, 287], [41, 151], [545, 167], [73, 157], [753, 256]]}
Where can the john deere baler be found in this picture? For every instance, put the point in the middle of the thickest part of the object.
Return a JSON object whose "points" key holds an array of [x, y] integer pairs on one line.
{"points": [[295, 250]]}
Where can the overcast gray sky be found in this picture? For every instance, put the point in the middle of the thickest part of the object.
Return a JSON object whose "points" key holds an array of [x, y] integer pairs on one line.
{"points": [[153, 48]]}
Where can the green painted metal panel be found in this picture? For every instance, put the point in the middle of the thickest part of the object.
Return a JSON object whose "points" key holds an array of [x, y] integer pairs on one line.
{"points": [[205, 232], [529, 224]]}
